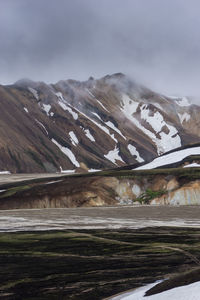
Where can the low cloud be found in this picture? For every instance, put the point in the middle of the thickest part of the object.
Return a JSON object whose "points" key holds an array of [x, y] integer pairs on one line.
{"points": [[155, 42]]}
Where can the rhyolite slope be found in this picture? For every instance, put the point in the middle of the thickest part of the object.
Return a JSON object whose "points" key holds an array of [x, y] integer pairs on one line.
{"points": [[96, 124]]}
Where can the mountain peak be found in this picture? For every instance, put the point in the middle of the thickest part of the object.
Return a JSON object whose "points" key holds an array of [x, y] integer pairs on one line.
{"points": [[24, 82], [100, 123]]}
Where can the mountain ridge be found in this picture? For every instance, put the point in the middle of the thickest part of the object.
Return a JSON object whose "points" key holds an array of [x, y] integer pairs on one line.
{"points": [[94, 124]]}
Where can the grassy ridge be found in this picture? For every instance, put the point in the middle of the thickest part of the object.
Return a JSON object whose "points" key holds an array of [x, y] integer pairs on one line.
{"points": [[188, 173], [17, 192]]}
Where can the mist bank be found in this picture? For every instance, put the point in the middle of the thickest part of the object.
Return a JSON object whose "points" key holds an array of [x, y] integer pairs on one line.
{"points": [[76, 39]]}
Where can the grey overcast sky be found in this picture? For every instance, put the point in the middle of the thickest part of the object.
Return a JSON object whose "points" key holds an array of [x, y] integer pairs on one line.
{"points": [[157, 42]]}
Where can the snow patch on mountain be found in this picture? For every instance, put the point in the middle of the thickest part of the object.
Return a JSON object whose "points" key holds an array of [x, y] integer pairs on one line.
{"points": [[66, 171], [163, 145], [134, 152], [59, 95], [106, 131], [93, 96], [129, 106], [112, 126], [73, 138], [170, 158], [194, 165], [156, 120], [94, 170], [164, 141], [26, 110], [184, 117], [96, 115], [181, 101], [103, 128], [169, 140], [63, 105], [47, 108], [113, 155], [89, 135], [67, 152], [34, 92], [66, 107], [42, 126], [102, 105]]}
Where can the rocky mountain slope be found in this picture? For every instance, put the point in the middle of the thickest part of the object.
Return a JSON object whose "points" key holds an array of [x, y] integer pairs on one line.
{"points": [[96, 124]]}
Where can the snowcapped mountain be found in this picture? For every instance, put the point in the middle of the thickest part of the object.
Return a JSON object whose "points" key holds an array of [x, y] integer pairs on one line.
{"points": [[96, 124]]}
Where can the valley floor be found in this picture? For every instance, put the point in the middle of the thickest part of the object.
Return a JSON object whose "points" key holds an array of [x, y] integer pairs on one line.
{"points": [[116, 217], [93, 264], [95, 253]]}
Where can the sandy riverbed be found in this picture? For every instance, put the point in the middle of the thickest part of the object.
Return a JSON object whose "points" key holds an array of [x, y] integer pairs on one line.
{"points": [[101, 217]]}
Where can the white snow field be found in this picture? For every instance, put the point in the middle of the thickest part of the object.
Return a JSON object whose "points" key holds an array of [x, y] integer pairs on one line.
{"points": [[194, 165], [73, 138], [134, 152], [166, 141], [47, 108], [68, 153], [184, 117], [89, 135], [113, 155], [170, 158], [186, 292], [183, 102]]}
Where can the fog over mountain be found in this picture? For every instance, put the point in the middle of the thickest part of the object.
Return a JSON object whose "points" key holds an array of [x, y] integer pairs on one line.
{"points": [[156, 42]]}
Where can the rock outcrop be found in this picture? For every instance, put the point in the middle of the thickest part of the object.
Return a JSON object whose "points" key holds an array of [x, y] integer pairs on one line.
{"points": [[164, 187], [188, 194]]}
